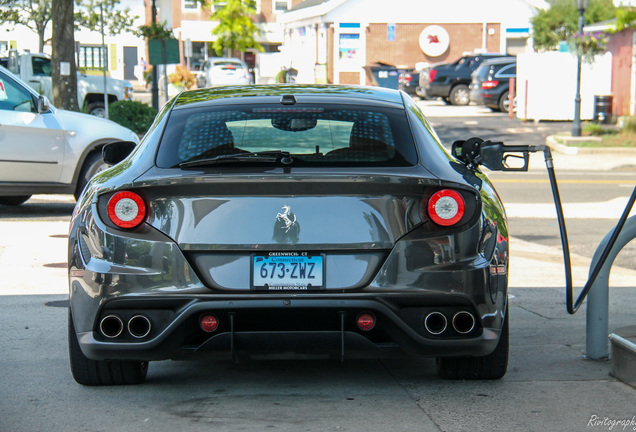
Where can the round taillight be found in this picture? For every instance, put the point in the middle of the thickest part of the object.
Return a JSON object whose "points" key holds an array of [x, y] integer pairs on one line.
{"points": [[126, 209], [446, 207], [366, 321], [208, 323]]}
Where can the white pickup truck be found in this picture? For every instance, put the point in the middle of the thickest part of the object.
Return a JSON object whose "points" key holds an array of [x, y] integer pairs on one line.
{"points": [[35, 70]]}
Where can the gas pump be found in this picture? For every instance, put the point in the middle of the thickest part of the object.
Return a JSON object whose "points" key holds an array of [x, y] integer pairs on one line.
{"points": [[497, 156]]}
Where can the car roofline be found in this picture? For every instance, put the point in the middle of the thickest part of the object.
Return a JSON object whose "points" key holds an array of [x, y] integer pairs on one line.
{"points": [[250, 94]]}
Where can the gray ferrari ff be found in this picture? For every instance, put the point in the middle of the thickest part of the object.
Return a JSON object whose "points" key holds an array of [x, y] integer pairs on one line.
{"points": [[268, 221]]}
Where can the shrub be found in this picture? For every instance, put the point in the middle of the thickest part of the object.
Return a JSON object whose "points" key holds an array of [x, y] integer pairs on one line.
{"points": [[181, 77], [596, 129], [593, 129], [132, 114], [629, 125]]}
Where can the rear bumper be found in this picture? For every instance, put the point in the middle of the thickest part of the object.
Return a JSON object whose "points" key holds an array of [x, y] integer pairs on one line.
{"points": [[438, 90], [283, 325]]}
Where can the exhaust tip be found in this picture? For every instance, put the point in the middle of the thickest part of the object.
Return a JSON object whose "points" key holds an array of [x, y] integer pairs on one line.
{"points": [[435, 323], [111, 326], [139, 326], [463, 322]]}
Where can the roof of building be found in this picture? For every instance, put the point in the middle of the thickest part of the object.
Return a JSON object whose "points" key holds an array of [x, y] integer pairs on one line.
{"points": [[307, 3]]}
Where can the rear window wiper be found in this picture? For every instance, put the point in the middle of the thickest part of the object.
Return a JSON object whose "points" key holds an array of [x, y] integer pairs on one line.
{"points": [[264, 156]]}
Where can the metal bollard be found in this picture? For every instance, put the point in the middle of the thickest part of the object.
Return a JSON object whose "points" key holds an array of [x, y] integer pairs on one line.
{"points": [[597, 326]]}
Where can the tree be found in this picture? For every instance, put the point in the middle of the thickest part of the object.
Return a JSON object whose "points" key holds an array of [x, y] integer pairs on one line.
{"points": [[36, 15], [64, 85], [560, 21], [115, 20], [235, 30]]}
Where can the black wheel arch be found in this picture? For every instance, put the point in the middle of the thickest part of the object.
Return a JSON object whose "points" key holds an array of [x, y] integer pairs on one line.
{"points": [[95, 146], [98, 97]]}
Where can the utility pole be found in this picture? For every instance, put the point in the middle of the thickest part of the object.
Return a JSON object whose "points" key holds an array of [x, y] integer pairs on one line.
{"points": [[155, 75], [576, 124]]}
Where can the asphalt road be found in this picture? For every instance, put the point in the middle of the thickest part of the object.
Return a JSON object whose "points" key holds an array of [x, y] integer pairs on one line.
{"points": [[593, 198]]}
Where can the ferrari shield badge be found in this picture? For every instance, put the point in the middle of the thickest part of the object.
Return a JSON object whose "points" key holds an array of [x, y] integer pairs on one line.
{"points": [[286, 228]]}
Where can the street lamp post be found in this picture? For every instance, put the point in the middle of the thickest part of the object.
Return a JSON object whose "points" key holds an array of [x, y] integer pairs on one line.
{"points": [[576, 124], [155, 75]]}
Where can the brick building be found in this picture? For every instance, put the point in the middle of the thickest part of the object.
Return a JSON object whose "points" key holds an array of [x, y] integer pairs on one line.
{"points": [[190, 21], [332, 40]]}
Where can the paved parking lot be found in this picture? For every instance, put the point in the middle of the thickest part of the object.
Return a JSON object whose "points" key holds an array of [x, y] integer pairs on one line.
{"points": [[550, 385]]}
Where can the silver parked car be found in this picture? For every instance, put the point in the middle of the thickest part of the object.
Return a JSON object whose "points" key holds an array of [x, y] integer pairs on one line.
{"points": [[44, 149], [287, 220], [219, 71]]}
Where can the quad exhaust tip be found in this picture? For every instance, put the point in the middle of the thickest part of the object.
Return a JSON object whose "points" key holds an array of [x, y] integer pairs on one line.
{"points": [[111, 326], [463, 322], [139, 326], [435, 323]]}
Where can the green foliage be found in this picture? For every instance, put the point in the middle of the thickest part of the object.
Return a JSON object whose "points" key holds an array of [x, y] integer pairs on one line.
{"points": [[560, 21], [182, 77], [36, 15], [625, 18], [596, 129], [88, 15], [155, 31], [235, 30], [629, 125], [134, 115]]}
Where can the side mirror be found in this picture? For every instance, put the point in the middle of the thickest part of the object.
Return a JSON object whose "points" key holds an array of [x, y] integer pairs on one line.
{"points": [[44, 105], [116, 152]]}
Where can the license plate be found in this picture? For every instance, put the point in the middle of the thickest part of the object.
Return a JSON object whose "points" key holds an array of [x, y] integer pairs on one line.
{"points": [[288, 271]]}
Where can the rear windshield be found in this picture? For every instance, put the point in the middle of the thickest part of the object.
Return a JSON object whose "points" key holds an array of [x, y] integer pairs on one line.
{"points": [[227, 65], [482, 72], [312, 135]]}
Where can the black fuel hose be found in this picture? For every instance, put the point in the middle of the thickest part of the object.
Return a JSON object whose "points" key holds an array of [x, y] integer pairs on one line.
{"points": [[573, 307]]}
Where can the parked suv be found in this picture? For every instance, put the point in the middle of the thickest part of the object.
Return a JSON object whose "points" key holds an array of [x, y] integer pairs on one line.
{"points": [[451, 81], [44, 149], [491, 81]]}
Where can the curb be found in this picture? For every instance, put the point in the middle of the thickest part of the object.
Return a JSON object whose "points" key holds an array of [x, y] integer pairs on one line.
{"points": [[569, 150]]}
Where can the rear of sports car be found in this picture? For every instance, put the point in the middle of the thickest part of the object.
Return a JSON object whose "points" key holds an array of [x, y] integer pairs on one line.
{"points": [[288, 224]]}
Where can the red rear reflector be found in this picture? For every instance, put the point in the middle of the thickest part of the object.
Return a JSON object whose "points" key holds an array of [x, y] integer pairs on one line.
{"points": [[208, 323], [126, 209], [446, 207], [407, 78], [431, 75], [489, 84], [366, 321]]}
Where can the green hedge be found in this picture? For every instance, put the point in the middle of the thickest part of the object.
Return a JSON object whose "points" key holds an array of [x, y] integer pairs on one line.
{"points": [[134, 115]]}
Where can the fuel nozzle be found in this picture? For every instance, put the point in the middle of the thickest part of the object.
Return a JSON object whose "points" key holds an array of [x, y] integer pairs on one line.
{"points": [[496, 156]]}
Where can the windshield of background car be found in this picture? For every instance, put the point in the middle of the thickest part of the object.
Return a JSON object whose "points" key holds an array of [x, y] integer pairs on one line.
{"points": [[313, 135]]}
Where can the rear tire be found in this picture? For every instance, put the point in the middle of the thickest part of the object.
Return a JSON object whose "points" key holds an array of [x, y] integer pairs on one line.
{"points": [[93, 164], [95, 373], [460, 95], [504, 102], [97, 109], [490, 367], [13, 200]]}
